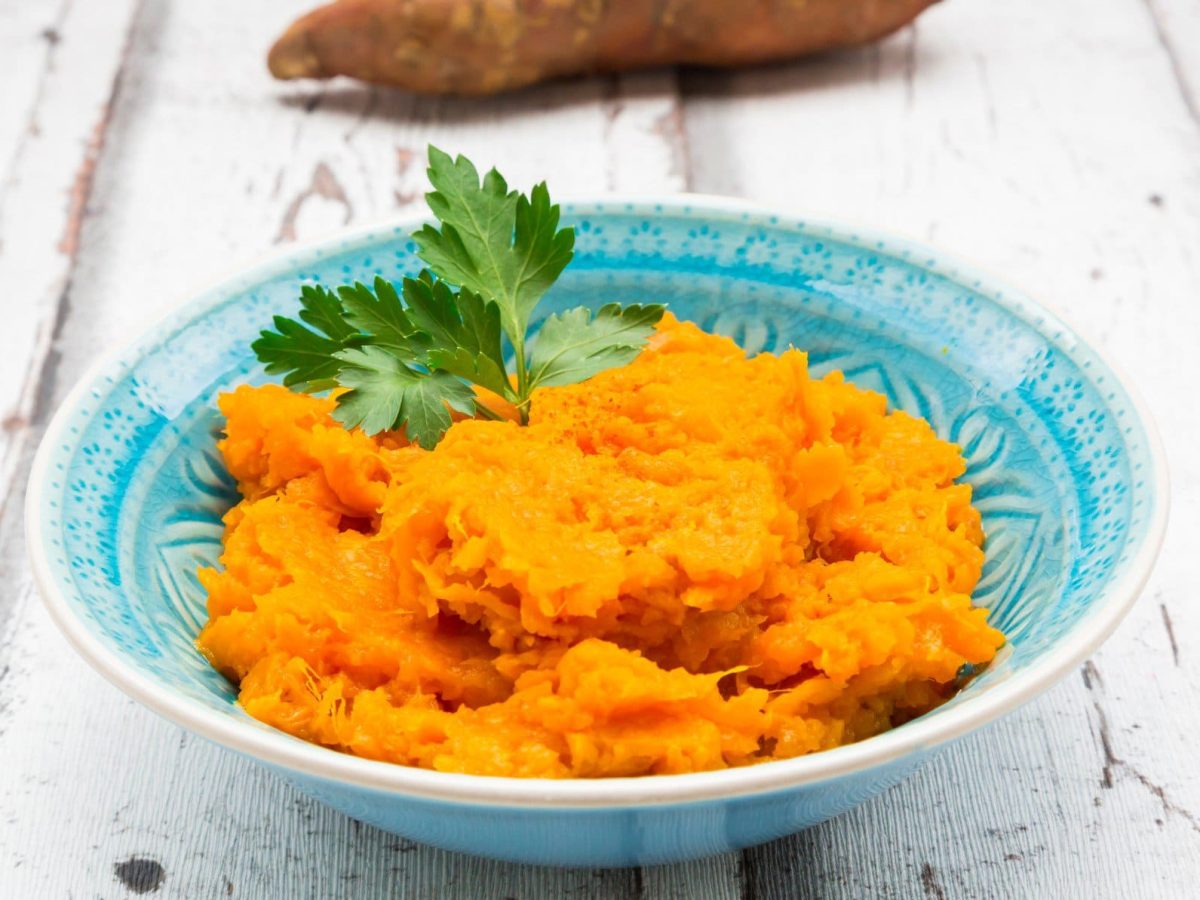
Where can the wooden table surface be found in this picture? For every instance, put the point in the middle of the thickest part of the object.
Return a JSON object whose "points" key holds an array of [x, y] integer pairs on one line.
{"points": [[143, 150]]}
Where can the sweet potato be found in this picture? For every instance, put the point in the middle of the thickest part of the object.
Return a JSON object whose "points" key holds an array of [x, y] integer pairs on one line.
{"points": [[694, 561], [487, 46]]}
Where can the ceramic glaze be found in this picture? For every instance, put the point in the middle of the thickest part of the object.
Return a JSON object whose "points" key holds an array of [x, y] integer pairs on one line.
{"points": [[128, 490]]}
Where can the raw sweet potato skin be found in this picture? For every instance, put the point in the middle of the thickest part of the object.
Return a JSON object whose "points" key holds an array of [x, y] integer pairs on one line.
{"points": [[487, 46]]}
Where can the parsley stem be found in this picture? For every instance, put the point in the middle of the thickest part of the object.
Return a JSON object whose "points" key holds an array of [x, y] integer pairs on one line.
{"points": [[487, 412], [522, 381]]}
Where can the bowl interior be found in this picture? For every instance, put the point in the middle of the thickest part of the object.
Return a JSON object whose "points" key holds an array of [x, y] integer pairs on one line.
{"points": [[134, 490]]}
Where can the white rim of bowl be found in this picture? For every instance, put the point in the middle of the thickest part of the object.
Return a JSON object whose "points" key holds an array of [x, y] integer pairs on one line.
{"points": [[282, 750]]}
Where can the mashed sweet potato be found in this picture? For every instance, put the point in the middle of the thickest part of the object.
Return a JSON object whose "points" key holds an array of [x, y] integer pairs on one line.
{"points": [[695, 561]]}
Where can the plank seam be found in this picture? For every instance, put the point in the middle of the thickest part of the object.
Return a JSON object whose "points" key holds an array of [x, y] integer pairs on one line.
{"points": [[1181, 80]]}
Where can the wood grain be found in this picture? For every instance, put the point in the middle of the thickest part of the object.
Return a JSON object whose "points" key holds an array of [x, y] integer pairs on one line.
{"points": [[144, 150], [53, 127]]}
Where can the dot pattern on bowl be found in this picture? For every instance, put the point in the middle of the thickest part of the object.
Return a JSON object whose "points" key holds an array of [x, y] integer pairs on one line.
{"points": [[1057, 455]]}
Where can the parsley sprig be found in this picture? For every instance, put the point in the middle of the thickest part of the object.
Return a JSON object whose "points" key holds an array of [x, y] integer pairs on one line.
{"points": [[408, 358]]}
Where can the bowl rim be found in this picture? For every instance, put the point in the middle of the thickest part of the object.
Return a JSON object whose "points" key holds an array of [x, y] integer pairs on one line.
{"points": [[281, 750]]}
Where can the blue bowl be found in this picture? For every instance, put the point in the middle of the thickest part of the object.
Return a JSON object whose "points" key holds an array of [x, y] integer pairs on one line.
{"points": [[127, 493]]}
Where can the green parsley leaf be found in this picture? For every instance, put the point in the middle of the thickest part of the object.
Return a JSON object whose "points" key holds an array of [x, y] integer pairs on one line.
{"points": [[321, 309], [573, 346], [477, 224], [506, 247], [433, 327], [307, 358], [463, 331], [386, 394], [379, 314]]}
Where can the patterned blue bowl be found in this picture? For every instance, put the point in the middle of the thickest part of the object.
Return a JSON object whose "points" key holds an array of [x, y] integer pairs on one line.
{"points": [[127, 492]]}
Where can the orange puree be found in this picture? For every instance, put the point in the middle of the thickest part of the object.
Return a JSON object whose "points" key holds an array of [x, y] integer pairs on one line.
{"points": [[695, 561]]}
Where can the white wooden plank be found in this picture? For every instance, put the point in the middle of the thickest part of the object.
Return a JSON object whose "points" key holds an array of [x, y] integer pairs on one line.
{"points": [[52, 125], [1055, 144], [54, 121], [1177, 24], [28, 39], [716, 878], [647, 144]]}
